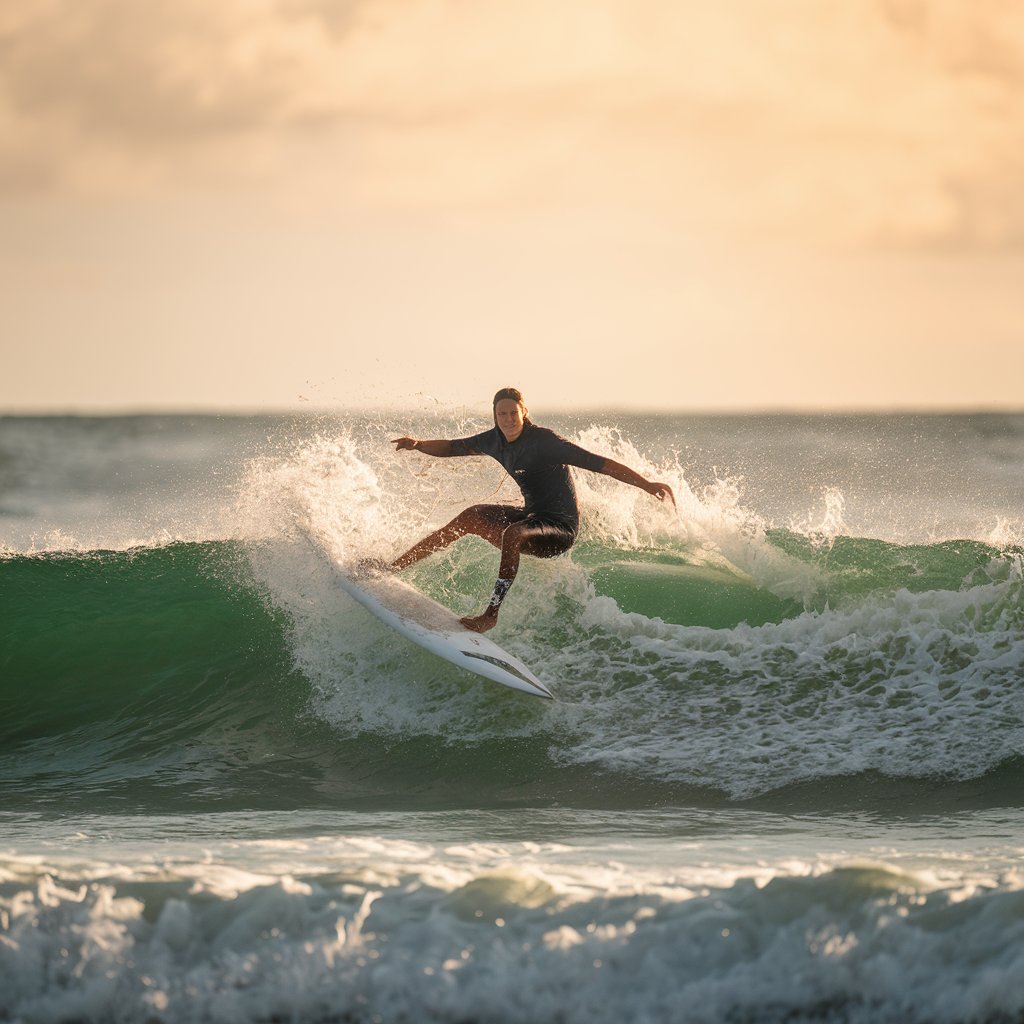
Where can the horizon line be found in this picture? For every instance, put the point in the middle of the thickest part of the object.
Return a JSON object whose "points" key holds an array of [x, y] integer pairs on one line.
{"points": [[244, 412]]}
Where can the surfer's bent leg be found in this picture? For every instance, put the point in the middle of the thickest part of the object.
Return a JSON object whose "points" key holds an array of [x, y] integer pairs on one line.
{"points": [[532, 537], [487, 521]]}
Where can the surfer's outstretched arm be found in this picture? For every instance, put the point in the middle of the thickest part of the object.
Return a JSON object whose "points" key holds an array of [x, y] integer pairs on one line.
{"points": [[439, 448], [617, 471]]}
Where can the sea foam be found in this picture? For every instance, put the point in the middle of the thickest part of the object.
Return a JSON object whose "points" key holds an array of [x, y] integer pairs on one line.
{"points": [[375, 929]]}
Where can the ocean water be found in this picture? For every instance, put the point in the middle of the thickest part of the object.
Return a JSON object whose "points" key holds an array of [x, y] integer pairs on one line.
{"points": [[782, 779]]}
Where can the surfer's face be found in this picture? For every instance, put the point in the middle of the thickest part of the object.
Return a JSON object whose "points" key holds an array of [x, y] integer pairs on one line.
{"points": [[509, 415]]}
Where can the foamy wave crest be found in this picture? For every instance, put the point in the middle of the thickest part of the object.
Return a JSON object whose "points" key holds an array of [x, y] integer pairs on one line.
{"points": [[908, 685], [712, 527]]}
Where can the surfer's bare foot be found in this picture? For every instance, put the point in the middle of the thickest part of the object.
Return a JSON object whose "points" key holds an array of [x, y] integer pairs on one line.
{"points": [[480, 623]]}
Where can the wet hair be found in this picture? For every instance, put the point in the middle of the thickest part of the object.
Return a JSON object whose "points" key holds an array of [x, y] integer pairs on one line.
{"points": [[508, 393], [514, 395]]}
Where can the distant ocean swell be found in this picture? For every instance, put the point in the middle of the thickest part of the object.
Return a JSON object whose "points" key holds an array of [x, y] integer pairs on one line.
{"points": [[393, 940], [180, 676]]}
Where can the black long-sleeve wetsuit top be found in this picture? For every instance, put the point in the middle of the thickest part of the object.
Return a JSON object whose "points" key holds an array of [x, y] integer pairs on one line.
{"points": [[538, 460]]}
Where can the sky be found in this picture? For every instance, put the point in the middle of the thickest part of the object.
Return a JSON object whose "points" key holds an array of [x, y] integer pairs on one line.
{"points": [[660, 205]]}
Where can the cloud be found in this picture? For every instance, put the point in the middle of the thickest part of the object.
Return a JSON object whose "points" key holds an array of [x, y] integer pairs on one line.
{"points": [[144, 72], [112, 93], [893, 122]]}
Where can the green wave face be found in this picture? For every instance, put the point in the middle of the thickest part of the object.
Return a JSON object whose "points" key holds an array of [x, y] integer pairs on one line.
{"points": [[169, 678], [672, 586], [87, 636], [143, 674]]}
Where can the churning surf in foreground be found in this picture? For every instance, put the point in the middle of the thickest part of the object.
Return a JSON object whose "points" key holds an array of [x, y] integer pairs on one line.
{"points": [[781, 779]]}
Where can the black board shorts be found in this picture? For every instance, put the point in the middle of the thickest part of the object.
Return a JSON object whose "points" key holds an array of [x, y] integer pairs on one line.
{"points": [[545, 538]]}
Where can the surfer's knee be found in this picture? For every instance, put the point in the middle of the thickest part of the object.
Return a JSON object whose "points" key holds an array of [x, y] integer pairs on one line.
{"points": [[478, 520], [514, 535]]}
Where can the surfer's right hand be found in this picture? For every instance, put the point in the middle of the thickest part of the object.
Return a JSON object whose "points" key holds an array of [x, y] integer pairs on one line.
{"points": [[404, 443]]}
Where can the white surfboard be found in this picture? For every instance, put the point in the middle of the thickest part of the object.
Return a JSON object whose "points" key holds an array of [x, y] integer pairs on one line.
{"points": [[439, 631]]}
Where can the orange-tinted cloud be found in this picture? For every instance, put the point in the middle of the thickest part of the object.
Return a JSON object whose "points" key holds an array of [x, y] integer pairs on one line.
{"points": [[893, 122]]}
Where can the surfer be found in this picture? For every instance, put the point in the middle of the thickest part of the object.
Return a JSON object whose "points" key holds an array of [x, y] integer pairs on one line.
{"points": [[538, 460]]}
